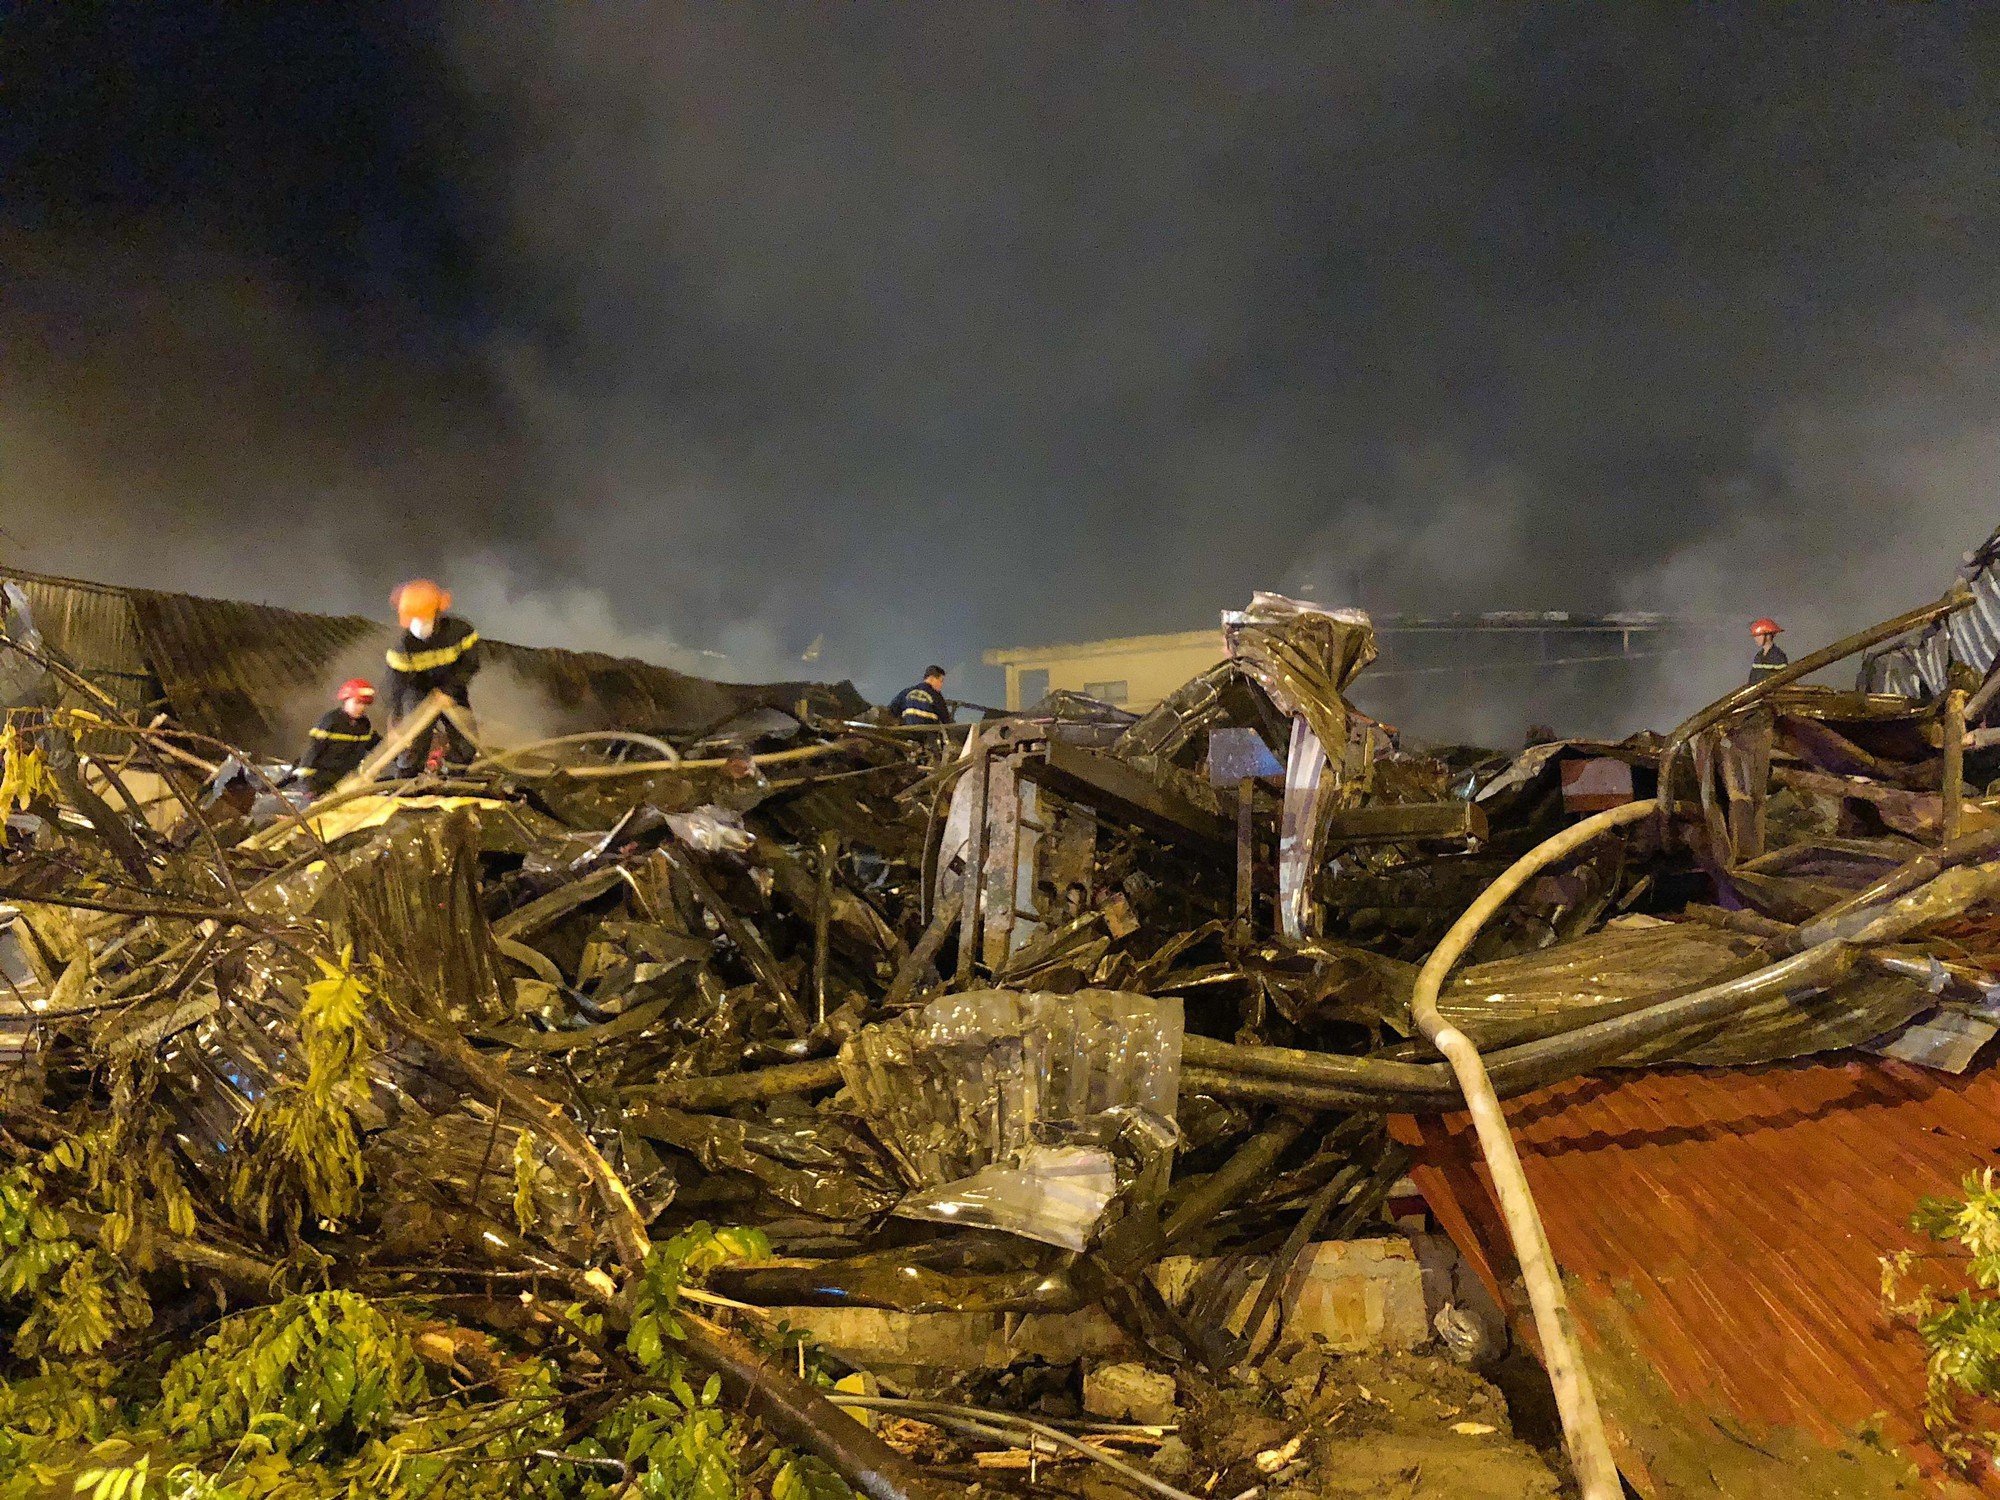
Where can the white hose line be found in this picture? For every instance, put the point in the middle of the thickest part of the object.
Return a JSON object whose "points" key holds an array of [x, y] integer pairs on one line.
{"points": [[1583, 1425], [654, 743]]}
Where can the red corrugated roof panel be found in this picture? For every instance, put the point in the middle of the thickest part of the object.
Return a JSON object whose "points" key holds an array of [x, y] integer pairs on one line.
{"points": [[1720, 1231]]}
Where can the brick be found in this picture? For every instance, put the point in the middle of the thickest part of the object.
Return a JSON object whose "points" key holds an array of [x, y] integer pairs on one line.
{"points": [[1129, 1393]]}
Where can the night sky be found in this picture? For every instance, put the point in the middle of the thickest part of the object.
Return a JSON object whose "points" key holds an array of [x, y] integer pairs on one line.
{"points": [[929, 328]]}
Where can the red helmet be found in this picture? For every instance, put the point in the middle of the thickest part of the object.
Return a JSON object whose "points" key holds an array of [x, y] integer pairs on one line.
{"points": [[1765, 626], [356, 689]]}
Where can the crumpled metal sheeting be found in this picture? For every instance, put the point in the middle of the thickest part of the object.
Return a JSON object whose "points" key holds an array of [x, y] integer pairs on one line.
{"points": [[605, 942], [1303, 656], [861, 812], [854, 926], [1186, 785], [1620, 963], [1177, 718], [207, 1090], [1857, 1009], [24, 682], [1323, 984], [1920, 665], [619, 954], [704, 1032], [227, 1055], [1078, 947], [1504, 1000], [1312, 789]]}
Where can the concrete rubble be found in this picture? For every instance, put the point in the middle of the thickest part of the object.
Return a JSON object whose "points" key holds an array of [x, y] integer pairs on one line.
{"points": [[1038, 1067]]}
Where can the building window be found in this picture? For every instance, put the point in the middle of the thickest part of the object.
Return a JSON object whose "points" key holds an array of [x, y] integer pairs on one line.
{"points": [[1109, 692]]}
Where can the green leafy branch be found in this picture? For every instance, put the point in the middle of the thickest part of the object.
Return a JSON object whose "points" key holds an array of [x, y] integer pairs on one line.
{"points": [[301, 1146], [1961, 1333]]}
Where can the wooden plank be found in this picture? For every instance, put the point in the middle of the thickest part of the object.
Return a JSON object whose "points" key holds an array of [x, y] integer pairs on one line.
{"points": [[1119, 789], [1388, 822]]}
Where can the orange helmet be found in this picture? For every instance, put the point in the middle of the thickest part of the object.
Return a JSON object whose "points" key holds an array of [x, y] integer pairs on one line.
{"points": [[1765, 626], [420, 599], [359, 689]]}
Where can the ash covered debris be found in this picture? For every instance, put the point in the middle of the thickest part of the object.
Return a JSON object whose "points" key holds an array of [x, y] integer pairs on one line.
{"points": [[1066, 1015]]}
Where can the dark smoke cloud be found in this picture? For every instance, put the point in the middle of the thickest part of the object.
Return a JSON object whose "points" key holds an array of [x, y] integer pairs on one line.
{"points": [[932, 328], [174, 414]]}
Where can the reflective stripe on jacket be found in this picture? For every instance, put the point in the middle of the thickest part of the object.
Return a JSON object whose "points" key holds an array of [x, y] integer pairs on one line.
{"points": [[1764, 663], [922, 704], [447, 660], [336, 745]]}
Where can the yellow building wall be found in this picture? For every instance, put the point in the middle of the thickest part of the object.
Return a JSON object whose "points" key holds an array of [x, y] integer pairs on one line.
{"points": [[1148, 666]]}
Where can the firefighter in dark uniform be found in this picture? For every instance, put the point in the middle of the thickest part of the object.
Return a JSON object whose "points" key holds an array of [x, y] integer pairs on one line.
{"points": [[438, 652], [923, 704], [342, 738], [1769, 658]]}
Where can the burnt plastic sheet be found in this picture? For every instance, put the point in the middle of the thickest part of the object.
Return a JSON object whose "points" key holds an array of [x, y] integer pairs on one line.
{"points": [[976, 1078], [813, 1163], [1022, 1112], [465, 1160], [411, 907], [1055, 1194]]}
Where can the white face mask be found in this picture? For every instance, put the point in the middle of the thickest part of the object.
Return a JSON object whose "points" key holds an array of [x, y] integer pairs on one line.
{"points": [[422, 628]]}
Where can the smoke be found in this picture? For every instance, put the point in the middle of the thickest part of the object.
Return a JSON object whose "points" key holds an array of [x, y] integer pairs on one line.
{"points": [[510, 709], [1445, 534], [1863, 502], [734, 329], [973, 326]]}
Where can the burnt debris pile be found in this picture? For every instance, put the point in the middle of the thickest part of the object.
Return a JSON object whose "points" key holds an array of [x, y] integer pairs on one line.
{"points": [[374, 1142]]}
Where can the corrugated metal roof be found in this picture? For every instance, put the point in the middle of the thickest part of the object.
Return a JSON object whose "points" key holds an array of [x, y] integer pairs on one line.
{"points": [[254, 676], [246, 674], [94, 629], [1918, 665], [1720, 1232]]}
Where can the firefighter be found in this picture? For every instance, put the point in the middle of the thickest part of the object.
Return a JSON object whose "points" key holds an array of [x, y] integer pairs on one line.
{"points": [[1769, 658], [923, 704], [438, 652], [342, 738]]}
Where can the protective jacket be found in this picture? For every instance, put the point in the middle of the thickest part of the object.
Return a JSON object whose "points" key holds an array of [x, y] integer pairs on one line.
{"points": [[335, 746], [922, 704], [1767, 661], [447, 661]]}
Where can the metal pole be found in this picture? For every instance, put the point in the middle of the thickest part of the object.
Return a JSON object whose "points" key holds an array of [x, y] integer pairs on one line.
{"points": [[1952, 812], [829, 851], [975, 862], [1246, 863]]}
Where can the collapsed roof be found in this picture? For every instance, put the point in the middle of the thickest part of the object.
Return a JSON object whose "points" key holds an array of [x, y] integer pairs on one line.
{"points": [[236, 671]]}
